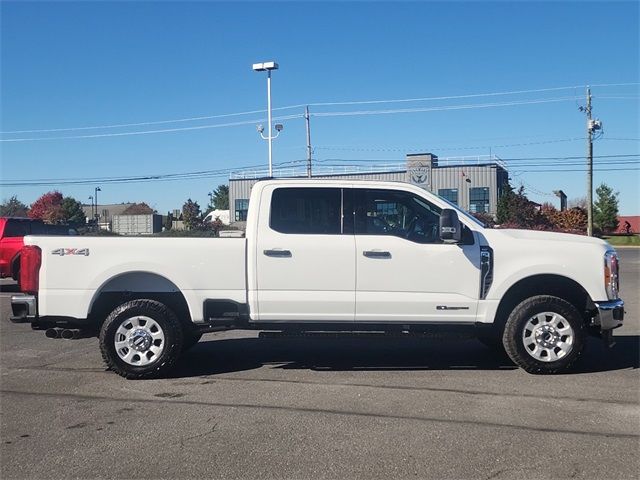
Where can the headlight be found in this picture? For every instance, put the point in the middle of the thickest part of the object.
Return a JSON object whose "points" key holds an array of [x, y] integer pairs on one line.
{"points": [[611, 276]]}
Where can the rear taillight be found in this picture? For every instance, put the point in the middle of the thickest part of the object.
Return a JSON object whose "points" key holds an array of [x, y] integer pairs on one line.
{"points": [[30, 261]]}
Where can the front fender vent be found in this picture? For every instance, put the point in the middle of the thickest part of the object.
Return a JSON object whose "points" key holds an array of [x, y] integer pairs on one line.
{"points": [[486, 271]]}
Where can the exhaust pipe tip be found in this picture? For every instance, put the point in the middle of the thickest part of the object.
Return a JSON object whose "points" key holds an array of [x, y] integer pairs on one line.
{"points": [[52, 333], [68, 334]]}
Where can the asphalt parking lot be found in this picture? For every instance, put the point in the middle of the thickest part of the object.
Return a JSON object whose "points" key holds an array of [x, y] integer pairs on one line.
{"points": [[243, 407]]}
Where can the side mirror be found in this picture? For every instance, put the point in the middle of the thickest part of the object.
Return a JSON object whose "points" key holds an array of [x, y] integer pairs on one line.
{"points": [[450, 227]]}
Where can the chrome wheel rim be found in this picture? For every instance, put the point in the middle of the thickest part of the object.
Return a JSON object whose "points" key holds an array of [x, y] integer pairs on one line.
{"points": [[548, 337], [139, 341]]}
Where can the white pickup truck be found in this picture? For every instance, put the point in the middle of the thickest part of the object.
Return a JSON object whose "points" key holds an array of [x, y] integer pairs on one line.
{"points": [[324, 255]]}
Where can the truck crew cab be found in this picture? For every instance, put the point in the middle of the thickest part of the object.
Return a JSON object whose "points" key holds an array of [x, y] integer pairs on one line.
{"points": [[323, 255]]}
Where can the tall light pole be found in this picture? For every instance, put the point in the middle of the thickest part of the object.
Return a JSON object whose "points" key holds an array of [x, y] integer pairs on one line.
{"points": [[267, 67], [91, 199], [95, 197]]}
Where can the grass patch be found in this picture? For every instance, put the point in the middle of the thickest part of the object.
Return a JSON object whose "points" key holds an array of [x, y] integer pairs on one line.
{"points": [[623, 240]]}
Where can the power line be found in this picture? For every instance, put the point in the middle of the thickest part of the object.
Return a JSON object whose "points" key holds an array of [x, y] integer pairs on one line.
{"points": [[584, 170], [406, 149], [219, 173], [441, 108], [450, 97], [147, 132], [139, 124], [611, 84], [617, 97], [622, 139], [542, 165], [136, 178], [504, 159], [317, 104], [290, 117]]}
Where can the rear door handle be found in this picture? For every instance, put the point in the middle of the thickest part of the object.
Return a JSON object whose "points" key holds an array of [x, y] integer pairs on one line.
{"points": [[278, 252], [376, 254]]}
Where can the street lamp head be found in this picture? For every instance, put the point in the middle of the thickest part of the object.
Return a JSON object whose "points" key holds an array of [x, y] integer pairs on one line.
{"points": [[260, 128], [98, 189], [264, 66], [278, 127]]}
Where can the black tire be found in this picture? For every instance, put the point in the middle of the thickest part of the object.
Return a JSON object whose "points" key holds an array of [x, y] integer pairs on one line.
{"points": [[163, 318], [190, 340], [533, 358]]}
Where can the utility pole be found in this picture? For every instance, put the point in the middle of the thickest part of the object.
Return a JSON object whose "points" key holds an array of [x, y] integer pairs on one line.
{"points": [[306, 119], [589, 166]]}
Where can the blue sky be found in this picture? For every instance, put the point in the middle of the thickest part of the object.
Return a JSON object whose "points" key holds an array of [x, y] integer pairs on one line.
{"points": [[69, 65]]}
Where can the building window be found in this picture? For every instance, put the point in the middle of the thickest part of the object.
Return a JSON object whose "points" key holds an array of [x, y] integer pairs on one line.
{"points": [[450, 194], [306, 211], [242, 207], [479, 200]]}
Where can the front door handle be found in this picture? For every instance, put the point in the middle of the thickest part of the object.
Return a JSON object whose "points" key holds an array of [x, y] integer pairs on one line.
{"points": [[278, 252], [376, 254]]}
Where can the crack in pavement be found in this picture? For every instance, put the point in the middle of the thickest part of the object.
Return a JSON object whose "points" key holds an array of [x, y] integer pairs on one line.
{"points": [[430, 389], [281, 408], [360, 385]]}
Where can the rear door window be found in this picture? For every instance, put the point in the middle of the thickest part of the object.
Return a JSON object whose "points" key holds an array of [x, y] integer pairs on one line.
{"points": [[306, 211]]}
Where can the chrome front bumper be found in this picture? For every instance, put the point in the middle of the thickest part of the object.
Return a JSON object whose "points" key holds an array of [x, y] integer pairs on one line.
{"points": [[610, 314], [24, 308]]}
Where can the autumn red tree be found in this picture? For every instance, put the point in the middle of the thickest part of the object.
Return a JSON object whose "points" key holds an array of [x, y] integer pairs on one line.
{"points": [[48, 208]]}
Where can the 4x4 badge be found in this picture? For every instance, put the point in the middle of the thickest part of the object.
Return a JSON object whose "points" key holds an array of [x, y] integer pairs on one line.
{"points": [[70, 251]]}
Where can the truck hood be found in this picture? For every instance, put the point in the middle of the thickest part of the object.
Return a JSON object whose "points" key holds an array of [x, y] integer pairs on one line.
{"points": [[536, 235]]}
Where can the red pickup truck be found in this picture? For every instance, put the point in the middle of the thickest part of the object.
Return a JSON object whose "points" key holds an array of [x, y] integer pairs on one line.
{"points": [[12, 232]]}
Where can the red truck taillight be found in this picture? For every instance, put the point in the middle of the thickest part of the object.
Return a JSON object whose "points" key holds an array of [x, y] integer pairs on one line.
{"points": [[30, 261]]}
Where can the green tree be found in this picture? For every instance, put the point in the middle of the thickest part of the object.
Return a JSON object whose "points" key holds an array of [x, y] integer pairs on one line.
{"points": [[219, 199], [605, 209], [516, 210], [13, 208], [191, 215], [168, 221], [505, 204], [72, 211]]}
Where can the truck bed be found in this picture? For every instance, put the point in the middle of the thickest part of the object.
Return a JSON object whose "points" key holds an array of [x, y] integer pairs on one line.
{"points": [[75, 269]]}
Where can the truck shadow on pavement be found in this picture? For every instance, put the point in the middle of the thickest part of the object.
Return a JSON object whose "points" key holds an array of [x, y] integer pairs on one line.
{"points": [[344, 354]]}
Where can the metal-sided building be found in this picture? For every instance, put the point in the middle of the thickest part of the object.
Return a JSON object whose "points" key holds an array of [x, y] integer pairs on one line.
{"points": [[473, 183]]}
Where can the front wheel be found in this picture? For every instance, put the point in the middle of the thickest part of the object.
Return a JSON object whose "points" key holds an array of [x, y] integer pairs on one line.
{"points": [[544, 334], [141, 339]]}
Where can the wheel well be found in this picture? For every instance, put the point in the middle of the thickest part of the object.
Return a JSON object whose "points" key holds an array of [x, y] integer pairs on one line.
{"points": [[138, 285], [555, 285]]}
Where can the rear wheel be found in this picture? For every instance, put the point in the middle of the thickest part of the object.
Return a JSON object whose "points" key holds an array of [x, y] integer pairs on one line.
{"points": [[544, 334], [141, 339]]}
